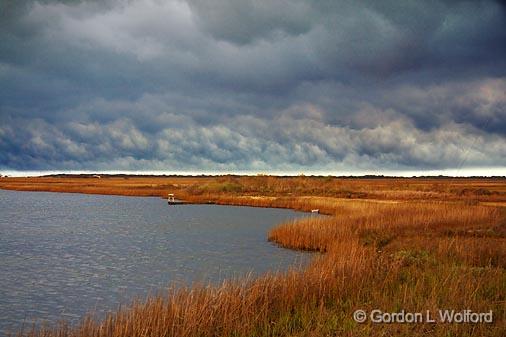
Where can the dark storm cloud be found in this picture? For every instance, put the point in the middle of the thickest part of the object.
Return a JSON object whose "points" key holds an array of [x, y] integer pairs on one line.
{"points": [[249, 85]]}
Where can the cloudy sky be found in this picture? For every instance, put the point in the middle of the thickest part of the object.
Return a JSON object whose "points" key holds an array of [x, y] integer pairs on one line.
{"points": [[257, 86]]}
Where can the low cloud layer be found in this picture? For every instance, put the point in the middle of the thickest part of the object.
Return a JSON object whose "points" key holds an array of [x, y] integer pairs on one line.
{"points": [[248, 85]]}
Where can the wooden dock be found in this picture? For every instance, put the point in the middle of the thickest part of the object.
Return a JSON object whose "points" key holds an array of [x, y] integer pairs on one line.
{"points": [[177, 202], [171, 200]]}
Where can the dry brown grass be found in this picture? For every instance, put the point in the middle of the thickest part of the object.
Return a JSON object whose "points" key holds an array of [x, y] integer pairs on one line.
{"points": [[387, 254], [204, 188], [382, 222]]}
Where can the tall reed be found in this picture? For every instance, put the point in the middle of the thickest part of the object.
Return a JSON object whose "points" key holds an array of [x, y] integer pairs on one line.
{"points": [[410, 255]]}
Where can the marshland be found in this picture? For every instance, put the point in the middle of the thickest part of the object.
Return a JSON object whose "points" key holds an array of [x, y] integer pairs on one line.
{"points": [[390, 244], [179, 168]]}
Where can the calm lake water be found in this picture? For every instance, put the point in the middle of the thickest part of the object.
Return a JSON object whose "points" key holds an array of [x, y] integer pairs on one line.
{"points": [[63, 255]]}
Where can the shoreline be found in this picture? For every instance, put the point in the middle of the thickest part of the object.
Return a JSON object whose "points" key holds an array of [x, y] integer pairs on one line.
{"points": [[374, 248], [236, 200]]}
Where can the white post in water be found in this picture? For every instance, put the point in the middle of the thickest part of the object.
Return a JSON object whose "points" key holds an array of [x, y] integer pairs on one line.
{"points": [[170, 197]]}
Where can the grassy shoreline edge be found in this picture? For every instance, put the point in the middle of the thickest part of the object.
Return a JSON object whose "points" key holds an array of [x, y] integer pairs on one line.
{"points": [[389, 254]]}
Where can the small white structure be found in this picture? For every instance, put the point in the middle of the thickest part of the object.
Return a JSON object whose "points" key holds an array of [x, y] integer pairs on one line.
{"points": [[170, 198], [315, 211], [97, 176]]}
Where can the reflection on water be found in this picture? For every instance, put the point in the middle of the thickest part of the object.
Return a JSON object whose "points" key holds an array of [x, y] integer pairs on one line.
{"points": [[62, 255]]}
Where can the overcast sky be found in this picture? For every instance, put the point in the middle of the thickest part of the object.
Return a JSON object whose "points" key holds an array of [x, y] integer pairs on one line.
{"points": [[244, 85]]}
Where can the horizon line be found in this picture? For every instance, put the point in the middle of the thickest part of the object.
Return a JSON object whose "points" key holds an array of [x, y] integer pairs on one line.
{"points": [[465, 172]]}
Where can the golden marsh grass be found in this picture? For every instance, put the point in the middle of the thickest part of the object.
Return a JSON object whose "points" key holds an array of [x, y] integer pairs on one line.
{"points": [[378, 251]]}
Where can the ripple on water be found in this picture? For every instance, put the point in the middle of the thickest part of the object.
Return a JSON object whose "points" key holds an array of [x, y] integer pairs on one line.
{"points": [[64, 255]]}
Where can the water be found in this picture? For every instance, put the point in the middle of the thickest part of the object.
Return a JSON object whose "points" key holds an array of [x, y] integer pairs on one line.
{"points": [[63, 255]]}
